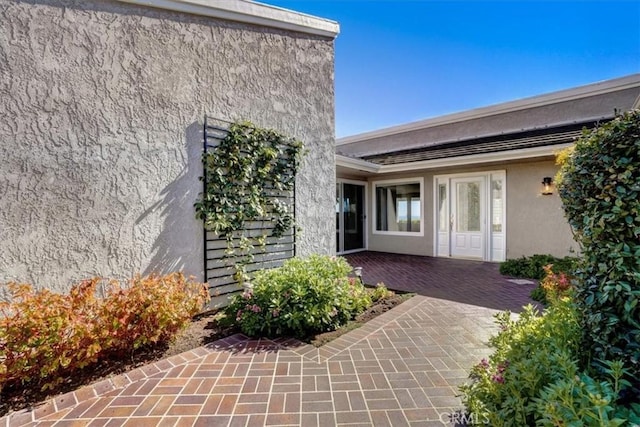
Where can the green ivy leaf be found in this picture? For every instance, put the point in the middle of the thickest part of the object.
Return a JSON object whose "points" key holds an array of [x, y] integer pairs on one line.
{"points": [[240, 173]]}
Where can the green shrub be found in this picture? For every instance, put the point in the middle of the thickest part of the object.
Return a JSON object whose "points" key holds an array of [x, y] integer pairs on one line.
{"points": [[538, 294], [533, 378], [581, 400], [533, 267], [530, 353], [46, 337], [380, 292], [302, 297], [599, 183]]}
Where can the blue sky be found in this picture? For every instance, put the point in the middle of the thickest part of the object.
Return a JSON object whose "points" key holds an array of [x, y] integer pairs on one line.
{"points": [[401, 61]]}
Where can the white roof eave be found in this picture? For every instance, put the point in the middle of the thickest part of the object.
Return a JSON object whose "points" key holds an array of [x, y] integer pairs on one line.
{"points": [[357, 164], [249, 12]]}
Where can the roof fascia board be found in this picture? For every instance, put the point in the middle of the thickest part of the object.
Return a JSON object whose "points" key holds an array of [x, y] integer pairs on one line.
{"points": [[249, 12], [472, 159], [593, 89], [524, 153], [359, 164]]}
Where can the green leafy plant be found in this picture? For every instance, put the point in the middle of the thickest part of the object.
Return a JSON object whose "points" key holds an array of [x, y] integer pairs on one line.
{"points": [[249, 176], [302, 297], [533, 267], [538, 294], [530, 353], [581, 400], [380, 292], [599, 184], [534, 376], [555, 285], [46, 336]]}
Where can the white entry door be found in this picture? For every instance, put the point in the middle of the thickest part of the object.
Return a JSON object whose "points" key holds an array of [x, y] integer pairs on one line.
{"points": [[467, 219]]}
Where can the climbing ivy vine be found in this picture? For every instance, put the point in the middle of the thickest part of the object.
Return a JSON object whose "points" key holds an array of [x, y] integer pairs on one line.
{"points": [[248, 177]]}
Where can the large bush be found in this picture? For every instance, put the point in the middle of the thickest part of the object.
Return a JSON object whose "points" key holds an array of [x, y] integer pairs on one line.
{"points": [[578, 399], [530, 353], [599, 183], [533, 377], [302, 297], [45, 336]]}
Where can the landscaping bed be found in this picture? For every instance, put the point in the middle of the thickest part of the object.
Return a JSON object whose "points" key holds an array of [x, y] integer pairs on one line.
{"points": [[202, 329]]}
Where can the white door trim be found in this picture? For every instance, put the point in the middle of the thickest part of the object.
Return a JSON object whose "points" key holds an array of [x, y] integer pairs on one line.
{"points": [[489, 254]]}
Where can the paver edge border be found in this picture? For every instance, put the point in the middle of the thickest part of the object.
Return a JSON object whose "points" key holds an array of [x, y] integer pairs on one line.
{"points": [[101, 388]]}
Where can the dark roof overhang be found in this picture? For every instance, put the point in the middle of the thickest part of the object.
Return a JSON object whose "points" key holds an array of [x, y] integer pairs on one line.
{"points": [[493, 144]]}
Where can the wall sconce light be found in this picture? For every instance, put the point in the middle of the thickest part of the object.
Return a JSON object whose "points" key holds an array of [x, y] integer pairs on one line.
{"points": [[547, 182]]}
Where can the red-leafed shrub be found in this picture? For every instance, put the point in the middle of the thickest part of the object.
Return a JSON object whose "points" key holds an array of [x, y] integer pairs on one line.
{"points": [[555, 285], [45, 336], [151, 309], [43, 333]]}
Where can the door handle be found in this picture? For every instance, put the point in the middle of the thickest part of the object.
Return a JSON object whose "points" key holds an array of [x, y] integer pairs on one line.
{"points": [[451, 223]]}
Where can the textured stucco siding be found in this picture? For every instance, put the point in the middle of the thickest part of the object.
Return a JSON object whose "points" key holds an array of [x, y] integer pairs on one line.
{"points": [[535, 223], [101, 111]]}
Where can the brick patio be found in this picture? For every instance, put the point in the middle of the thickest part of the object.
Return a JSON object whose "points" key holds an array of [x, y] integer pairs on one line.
{"points": [[400, 369], [468, 282]]}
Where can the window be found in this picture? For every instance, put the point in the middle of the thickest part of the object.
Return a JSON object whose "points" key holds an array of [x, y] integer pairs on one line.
{"points": [[496, 205], [443, 217], [468, 206], [398, 207]]}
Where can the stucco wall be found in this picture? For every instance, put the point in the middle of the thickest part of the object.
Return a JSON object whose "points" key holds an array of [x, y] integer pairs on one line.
{"points": [[535, 224], [101, 110]]}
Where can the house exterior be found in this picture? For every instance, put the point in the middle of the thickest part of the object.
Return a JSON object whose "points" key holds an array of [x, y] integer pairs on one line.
{"points": [[470, 184], [102, 106]]}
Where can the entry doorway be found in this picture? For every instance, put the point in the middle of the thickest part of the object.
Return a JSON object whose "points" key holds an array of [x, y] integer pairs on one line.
{"points": [[470, 212], [467, 217], [350, 216]]}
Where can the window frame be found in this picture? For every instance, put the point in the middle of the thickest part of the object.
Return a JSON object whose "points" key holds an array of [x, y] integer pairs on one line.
{"points": [[400, 181]]}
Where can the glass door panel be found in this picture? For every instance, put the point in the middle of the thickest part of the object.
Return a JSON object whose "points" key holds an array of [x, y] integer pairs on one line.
{"points": [[497, 231], [353, 216], [468, 199], [443, 218], [467, 234], [338, 210]]}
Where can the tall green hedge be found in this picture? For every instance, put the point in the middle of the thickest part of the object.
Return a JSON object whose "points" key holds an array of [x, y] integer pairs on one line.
{"points": [[599, 183]]}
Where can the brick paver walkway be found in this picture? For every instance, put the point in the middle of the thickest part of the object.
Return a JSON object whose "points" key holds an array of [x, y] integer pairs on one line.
{"points": [[400, 369], [469, 282]]}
